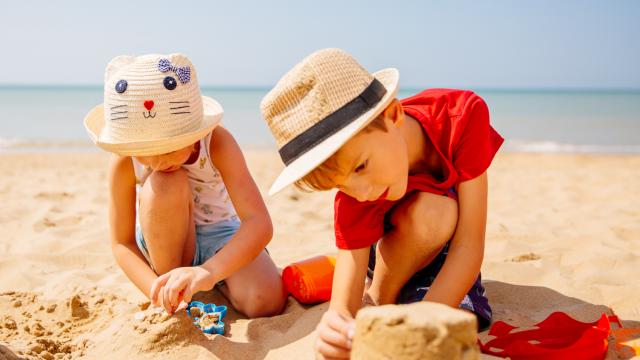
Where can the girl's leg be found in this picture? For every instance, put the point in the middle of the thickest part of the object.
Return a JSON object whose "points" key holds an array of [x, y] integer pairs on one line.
{"points": [[256, 290], [423, 223], [166, 219]]}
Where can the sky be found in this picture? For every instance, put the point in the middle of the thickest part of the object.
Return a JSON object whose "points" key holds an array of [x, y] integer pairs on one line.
{"points": [[474, 44]]}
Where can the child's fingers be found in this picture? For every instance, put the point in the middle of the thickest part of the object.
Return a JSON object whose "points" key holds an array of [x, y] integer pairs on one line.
{"points": [[187, 294], [181, 297], [340, 324], [157, 285], [333, 337], [182, 306], [329, 351], [166, 303], [174, 290]]}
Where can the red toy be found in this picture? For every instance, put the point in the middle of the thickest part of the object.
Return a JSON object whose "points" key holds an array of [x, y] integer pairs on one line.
{"points": [[557, 337]]}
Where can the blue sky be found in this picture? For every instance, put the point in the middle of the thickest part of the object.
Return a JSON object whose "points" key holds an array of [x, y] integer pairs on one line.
{"points": [[474, 44]]}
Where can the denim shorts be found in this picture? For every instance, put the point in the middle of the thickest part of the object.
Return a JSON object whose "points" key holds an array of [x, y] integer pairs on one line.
{"points": [[210, 238]]}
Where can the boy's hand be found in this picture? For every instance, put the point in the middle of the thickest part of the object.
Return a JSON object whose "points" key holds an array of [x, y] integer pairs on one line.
{"points": [[178, 285], [335, 333]]}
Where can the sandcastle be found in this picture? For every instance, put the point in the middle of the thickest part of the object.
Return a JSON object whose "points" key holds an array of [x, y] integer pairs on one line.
{"points": [[421, 330]]}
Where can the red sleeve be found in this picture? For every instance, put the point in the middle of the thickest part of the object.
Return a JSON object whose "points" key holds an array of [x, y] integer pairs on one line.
{"points": [[476, 142], [357, 224]]}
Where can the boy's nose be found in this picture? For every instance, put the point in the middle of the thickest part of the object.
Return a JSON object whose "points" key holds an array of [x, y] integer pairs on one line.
{"points": [[148, 104]]}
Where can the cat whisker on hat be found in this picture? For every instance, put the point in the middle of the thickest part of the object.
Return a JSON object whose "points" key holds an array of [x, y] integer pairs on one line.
{"points": [[178, 102], [179, 107], [182, 112], [117, 110]]}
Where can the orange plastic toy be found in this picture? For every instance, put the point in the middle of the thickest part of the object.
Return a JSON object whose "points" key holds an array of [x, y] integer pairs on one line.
{"points": [[309, 281]]}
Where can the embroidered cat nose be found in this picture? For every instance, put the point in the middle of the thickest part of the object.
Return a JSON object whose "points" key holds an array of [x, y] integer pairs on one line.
{"points": [[148, 104]]}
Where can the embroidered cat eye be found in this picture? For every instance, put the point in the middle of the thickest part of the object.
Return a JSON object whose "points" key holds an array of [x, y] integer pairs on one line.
{"points": [[121, 86], [170, 83]]}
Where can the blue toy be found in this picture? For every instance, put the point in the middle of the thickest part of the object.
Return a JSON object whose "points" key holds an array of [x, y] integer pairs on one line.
{"points": [[207, 317]]}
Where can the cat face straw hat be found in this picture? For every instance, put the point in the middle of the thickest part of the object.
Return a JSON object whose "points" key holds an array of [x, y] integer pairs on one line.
{"points": [[152, 106], [319, 105]]}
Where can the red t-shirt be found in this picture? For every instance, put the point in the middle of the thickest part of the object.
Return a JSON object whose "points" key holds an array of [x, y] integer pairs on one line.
{"points": [[457, 124]]}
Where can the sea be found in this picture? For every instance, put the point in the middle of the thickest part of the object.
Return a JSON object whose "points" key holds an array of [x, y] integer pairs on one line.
{"points": [[49, 118]]}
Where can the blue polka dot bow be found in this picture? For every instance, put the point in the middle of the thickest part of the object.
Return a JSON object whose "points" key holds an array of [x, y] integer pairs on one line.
{"points": [[183, 72]]}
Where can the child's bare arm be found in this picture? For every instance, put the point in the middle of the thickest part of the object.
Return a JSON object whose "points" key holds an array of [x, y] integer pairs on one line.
{"points": [[336, 327], [256, 229], [466, 250], [348, 281], [122, 220]]}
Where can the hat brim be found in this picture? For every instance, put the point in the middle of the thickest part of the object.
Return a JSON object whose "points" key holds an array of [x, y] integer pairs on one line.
{"points": [[321, 152], [94, 122]]}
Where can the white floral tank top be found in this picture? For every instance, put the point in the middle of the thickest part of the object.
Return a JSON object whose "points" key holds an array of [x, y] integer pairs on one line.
{"points": [[210, 198]]}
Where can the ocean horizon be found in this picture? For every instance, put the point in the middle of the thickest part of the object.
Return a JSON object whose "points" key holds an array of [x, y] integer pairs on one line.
{"points": [[49, 117]]}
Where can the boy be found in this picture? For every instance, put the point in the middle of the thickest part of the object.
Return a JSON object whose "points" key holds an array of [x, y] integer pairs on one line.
{"points": [[410, 213]]}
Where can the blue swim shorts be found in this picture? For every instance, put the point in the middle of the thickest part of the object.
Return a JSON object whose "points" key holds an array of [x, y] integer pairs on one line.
{"points": [[210, 238], [418, 285]]}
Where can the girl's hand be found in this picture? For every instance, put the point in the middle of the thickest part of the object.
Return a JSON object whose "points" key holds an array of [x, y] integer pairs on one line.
{"points": [[178, 285], [335, 333]]}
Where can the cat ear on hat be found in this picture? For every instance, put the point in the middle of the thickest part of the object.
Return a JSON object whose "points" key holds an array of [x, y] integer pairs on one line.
{"points": [[179, 59], [116, 64]]}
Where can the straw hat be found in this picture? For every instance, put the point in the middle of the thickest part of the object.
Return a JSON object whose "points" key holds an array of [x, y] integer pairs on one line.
{"points": [[152, 105], [319, 105]]}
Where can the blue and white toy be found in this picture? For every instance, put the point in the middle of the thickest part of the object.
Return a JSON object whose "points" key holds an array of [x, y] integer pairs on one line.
{"points": [[207, 317]]}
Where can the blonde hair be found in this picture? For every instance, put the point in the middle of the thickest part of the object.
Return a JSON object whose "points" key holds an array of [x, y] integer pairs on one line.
{"points": [[324, 176]]}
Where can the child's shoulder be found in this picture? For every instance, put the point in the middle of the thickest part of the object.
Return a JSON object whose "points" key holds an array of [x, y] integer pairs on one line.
{"points": [[224, 150], [435, 95], [121, 171], [220, 140], [120, 162], [453, 102]]}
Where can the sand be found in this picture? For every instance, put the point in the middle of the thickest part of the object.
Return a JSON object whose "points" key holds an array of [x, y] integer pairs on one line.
{"points": [[563, 234]]}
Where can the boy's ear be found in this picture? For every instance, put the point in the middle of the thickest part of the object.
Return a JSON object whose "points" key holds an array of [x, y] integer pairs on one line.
{"points": [[393, 114]]}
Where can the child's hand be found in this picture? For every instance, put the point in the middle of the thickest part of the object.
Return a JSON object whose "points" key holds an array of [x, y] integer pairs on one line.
{"points": [[178, 285], [335, 333]]}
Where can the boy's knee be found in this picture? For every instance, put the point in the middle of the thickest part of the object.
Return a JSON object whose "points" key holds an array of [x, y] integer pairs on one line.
{"points": [[428, 216]]}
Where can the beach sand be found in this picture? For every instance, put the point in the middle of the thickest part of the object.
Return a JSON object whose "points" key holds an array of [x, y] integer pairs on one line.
{"points": [[563, 234]]}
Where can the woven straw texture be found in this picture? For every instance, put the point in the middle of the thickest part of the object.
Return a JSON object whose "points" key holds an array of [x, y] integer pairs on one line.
{"points": [[316, 87], [145, 82], [149, 118]]}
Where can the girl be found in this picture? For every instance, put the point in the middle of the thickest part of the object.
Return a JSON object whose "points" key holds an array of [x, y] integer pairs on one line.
{"points": [[184, 212]]}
